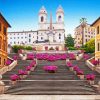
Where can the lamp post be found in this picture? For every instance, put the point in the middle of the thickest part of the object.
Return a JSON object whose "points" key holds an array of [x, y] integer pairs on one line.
{"points": [[83, 24]]}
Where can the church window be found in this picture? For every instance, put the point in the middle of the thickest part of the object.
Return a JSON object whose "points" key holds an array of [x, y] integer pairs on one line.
{"points": [[41, 38], [29, 35], [42, 19], [59, 18]]}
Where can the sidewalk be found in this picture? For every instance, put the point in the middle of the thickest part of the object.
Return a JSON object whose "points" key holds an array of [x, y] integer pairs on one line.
{"points": [[49, 97]]}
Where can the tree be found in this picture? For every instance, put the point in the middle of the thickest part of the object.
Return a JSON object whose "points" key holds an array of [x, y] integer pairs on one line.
{"points": [[90, 46], [69, 41]]}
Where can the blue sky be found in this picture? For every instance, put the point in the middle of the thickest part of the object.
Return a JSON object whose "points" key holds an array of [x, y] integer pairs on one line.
{"points": [[23, 14]]}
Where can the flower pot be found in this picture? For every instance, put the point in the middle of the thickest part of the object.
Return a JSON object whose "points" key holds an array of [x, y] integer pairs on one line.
{"points": [[13, 82], [91, 82], [75, 72], [32, 69], [22, 76], [71, 68], [81, 77], [28, 72], [51, 71]]}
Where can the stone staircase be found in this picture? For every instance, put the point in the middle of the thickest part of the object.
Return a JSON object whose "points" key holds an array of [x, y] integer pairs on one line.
{"points": [[86, 69], [41, 82]]}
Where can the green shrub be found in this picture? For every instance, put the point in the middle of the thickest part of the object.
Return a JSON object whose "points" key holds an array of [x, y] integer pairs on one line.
{"points": [[72, 48], [28, 48]]}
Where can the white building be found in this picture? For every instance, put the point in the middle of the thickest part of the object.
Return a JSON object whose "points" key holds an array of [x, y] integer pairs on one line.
{"points": [[48, 32]]}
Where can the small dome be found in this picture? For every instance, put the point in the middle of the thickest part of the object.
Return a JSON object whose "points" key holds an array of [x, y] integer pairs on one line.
{"points": [[43, 10], [60, 9]]}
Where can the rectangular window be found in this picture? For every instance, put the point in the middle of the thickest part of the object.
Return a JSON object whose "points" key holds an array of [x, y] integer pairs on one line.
{"points": [[0, 26], [29, 40], [4, 30], [0, 60], [98, 30], [0, 42], [98, 47]]}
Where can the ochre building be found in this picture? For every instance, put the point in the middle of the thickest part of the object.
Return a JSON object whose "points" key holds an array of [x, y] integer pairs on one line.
{"points": [[3, 40], [96, 24]]}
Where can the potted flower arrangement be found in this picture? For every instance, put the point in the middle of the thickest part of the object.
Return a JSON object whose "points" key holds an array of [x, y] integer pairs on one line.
{"points": [[80, 74], [69, 64], [90, 78], [86, 56], [30, 56], [14, 79], [22, 74], [51, 58], [50, 69], [72, 56], [15, 57], [28, 69], [75, 68], [8, 62]]}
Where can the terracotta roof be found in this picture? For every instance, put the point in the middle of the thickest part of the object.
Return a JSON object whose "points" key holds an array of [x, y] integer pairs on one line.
{"points": [[95, 21], [4, 19]]}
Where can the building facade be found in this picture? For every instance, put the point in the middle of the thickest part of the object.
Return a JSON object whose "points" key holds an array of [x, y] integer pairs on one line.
{"points": [[96, 24], [88, 33], [48, 33], [3, 40]]}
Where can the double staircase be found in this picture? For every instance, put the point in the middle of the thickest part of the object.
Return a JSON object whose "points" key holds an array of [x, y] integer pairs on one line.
{"points": [[41, 82]]}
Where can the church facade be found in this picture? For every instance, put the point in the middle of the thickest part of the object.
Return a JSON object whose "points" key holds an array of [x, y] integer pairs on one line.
{"points": [[49, 34]]}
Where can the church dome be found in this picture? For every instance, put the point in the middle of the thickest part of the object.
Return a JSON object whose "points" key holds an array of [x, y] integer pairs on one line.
{"points": [[60, 9], [43, 10]]}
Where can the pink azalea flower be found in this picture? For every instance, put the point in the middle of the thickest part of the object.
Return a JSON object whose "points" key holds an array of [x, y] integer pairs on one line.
{"points": [[80, 72], [14, 77], [50, 68], [90, 77], [28, 68], [8, 62], [69, 64], [22, 72]]}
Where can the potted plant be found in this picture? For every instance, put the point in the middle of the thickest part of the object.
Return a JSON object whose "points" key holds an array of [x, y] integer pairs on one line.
{"points": [[90, 78], [50, 69], [69, 64], [22, 74], [80, 74], [14, 79], [28, 69], [75, 68]]}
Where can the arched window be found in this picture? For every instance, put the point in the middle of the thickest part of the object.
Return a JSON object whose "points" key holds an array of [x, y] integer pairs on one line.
{"points": [[59, 18], [42, 19]]}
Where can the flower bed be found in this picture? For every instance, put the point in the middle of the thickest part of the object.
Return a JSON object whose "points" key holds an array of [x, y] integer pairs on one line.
{"points": [[50, 69], [30, 56]]}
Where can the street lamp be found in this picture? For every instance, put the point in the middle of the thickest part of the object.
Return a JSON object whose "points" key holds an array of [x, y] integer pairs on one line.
{"points": [[83, 24]]}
